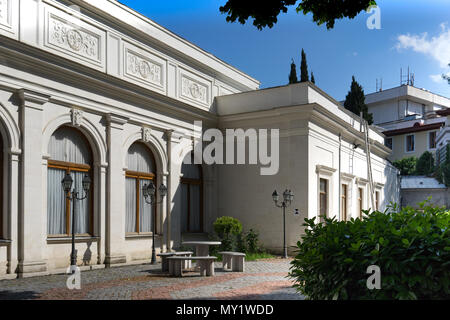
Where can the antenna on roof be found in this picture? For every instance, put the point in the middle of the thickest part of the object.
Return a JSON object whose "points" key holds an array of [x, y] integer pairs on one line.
{"points": [[407, 79], [379, 88]]}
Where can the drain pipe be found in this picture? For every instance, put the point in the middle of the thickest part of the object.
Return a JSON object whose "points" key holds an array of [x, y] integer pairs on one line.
{"points": [[339, 172]]}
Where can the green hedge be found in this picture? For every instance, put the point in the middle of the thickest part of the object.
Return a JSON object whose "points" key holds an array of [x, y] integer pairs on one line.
{"points": [[411, 247]]}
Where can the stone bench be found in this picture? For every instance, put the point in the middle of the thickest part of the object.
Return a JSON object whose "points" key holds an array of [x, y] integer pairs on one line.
{"points": [[206, 265], [165, 255], [233, 260]]}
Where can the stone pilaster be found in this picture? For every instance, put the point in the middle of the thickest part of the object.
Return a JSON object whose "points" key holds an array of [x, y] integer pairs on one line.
{"points": [[32, 227], [115, 189], [13, 195]]}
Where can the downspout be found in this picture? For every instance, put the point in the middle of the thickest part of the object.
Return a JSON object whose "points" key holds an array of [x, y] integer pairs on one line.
{"points": [[339, 172]]}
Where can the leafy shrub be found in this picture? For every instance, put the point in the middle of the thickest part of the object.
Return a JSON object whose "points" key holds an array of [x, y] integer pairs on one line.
{"points": [[411, 247], [425, 164], [407, 166], [228, 229], [252, 242], [227, 225]]}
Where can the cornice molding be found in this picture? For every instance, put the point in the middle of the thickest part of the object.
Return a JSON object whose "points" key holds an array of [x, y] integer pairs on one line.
{"points": [[320, 169]]}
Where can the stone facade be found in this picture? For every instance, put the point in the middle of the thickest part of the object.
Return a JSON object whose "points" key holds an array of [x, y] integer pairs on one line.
{"points": [[138, 82]]}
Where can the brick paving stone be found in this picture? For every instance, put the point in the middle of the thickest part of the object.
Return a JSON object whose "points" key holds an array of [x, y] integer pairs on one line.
{"points": [[263, 279]]}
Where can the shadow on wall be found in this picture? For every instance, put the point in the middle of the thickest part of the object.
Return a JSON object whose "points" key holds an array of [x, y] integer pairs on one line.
{"points": [[87, 256]]}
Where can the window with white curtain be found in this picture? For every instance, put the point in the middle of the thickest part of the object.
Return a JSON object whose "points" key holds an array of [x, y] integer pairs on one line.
{"points": [[140, 216], [2, 235], [191, 188], [69, 154]]}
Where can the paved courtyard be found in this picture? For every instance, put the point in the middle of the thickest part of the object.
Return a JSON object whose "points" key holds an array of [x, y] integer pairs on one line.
{"points": [[264, 279]]}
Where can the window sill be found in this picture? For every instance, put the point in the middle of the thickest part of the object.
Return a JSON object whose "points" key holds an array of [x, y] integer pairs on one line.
{"points": [[134, 236], [78, 239]]}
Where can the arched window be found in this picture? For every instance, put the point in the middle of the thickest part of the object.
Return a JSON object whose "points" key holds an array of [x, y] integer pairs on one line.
{"points": [[69, 153], [191, 185], [2, 235], [140, 216]]}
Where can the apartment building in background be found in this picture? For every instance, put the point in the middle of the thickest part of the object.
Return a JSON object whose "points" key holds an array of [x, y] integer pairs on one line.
{"points": [[410, 118]]}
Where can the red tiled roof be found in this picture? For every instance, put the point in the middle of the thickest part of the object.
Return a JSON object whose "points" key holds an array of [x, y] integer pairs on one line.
{"points": [[416, 128]]}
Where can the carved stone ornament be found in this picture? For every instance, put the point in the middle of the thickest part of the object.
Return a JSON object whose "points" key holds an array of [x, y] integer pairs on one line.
{"points": [[73, 38], [194, 90], [77, 117], [143, 69], [146, 134]]}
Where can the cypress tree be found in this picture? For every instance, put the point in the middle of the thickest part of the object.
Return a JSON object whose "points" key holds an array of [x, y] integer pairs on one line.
{"points": [[293, 74], [355, 101], [304, 68], [312, 78]]}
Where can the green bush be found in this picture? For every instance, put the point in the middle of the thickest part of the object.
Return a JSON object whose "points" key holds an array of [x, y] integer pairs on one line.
{"points": [[227, 225], [425, 164], [228, 229], [252, 242], [411, 247], [407, 166]]}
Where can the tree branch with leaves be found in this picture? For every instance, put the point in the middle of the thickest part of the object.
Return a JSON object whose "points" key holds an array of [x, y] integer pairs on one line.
{"points": [[265, 13]]}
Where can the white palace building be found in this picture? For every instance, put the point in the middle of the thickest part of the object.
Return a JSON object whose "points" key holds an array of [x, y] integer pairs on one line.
{"points": [[91, 87]]}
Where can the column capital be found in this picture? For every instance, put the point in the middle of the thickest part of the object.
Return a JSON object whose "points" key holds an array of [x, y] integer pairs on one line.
{"points": [[32, 99], [174, 135]]}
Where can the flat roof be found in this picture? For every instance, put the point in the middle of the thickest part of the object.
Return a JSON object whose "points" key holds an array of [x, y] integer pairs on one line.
{"points": [[419, 95]]}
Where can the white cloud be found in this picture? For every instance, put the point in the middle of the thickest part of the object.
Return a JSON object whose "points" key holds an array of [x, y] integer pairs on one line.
{"points": [[437, 47], [436, 78]]}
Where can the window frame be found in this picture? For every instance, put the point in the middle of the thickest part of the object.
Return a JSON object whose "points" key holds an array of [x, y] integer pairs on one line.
{"points": [[138, 176], [189, 182], [326, 194], [377, 200], [77, 167], [2, 198], [414, 143], [360, 200], [392, 143], [435, 142], [344, 201]]}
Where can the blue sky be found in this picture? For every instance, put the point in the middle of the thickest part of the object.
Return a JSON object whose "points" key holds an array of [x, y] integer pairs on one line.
{"points": [[414, 33]]}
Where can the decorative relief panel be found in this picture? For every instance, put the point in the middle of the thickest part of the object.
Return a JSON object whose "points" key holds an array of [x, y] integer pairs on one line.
{"points": [[194, 90], [143, 69], [73, 38], [4, 12]]}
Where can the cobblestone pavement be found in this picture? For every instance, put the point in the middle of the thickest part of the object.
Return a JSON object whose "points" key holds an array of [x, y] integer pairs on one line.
{"points": [[263, 279]]}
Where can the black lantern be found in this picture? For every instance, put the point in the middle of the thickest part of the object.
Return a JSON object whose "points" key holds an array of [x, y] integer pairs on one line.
{"points": [[275, 196], [67, 183], [86, 183]]}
